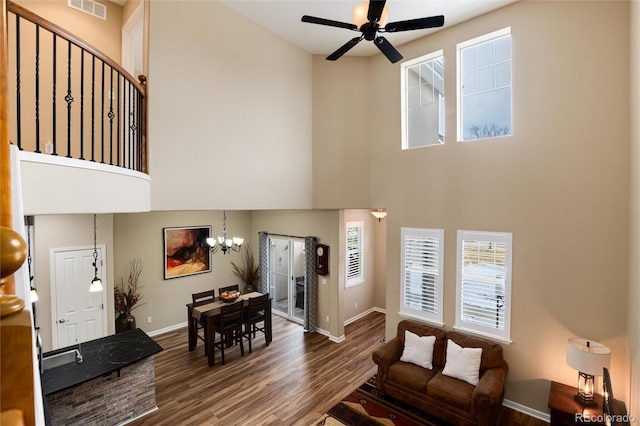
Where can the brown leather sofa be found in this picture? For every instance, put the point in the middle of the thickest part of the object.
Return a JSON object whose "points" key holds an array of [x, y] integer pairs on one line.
{"points": [[445, 397]]}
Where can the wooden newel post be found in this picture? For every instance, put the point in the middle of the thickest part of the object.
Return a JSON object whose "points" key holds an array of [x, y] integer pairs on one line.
{"points": [[12, 245]]}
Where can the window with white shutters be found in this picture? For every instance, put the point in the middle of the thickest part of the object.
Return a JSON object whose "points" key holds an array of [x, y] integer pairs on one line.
{"points": [[421, 266], [483, 296], [354, 269]]}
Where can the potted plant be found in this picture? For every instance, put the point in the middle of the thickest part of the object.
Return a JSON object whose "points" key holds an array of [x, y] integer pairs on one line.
{"points": [[126, 299], [248, 272]]}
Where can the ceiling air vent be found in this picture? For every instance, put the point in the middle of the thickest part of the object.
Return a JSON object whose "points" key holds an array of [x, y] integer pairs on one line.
{"points": [[89, 6]]}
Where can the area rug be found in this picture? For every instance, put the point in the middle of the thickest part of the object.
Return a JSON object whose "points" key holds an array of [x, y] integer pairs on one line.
{"points": [[366, 407]]}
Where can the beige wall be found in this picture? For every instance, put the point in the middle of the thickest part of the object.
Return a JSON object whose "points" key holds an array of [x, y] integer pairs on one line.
{"points": [[105, 35], [343, 95], [559, 184], [633, 317], [229, 112]]}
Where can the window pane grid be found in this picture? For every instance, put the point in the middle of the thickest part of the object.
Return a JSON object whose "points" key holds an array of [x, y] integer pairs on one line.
{"points": [[485, 87], [423, 109]]}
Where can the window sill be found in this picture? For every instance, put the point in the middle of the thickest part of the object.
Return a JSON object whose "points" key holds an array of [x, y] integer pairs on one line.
{"points": [[497, 339], [405, 315]]}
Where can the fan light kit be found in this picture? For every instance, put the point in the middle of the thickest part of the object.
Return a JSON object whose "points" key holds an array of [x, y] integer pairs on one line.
{"points": [[373, 22]]}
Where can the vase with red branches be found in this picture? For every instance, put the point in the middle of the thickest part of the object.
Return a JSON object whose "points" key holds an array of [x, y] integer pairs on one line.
{"points": [[127, 298], [249, 271]]}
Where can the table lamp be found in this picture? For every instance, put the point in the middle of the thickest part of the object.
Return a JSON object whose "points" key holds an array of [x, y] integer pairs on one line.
{"points": [[588, 357]]}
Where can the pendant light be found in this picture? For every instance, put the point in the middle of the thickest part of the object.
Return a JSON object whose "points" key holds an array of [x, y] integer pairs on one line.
{"points": [[96, 283]]}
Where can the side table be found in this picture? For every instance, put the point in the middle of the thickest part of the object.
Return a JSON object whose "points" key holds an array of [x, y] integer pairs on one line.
{"points": [[567, 411]]}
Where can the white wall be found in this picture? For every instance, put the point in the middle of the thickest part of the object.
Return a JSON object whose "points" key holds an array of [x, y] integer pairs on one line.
{"points": [[229, 112], [58, 185]]}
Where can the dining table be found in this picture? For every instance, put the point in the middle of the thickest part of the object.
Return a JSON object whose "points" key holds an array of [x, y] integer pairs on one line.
{"points": [[209, 310]]}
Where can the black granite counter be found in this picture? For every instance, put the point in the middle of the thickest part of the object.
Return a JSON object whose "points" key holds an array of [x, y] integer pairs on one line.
{"points": [[100, 357]]}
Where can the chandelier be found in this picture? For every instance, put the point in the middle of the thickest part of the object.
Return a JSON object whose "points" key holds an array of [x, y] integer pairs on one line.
{"points": [[223, 243]]}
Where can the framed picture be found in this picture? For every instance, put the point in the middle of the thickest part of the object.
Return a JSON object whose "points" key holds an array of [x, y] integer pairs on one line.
{"points": [[186, 251]]}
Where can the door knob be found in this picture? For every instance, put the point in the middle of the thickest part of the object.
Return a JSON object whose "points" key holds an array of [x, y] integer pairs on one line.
{"points": [[62, 320]]}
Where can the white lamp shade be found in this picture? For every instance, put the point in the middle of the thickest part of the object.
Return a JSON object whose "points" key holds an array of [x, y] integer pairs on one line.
{"points": [[212, 242], [587, 356], [238, 241], [96, 285], [379, 214]]}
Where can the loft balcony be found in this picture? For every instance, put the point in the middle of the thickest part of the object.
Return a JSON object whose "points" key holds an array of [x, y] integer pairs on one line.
{"points": [[77, 120]]}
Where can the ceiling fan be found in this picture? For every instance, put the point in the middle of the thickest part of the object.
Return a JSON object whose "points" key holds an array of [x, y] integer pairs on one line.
{"points": [[372, 25]]}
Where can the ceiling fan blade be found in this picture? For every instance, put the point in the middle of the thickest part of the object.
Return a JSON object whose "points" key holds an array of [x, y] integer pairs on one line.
{"points": [[375, 10], [329, 22], [387, 48], [344, 48], [415, 24]]}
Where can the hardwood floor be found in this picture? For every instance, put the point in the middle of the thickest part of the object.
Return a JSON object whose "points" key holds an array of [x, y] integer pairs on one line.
{"points": [[291, 382]]}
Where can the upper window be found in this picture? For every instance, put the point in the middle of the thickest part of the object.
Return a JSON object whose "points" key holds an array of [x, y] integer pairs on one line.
{"points": [[484, 86], [483, 284], [423, 101], [355, 274], [421, 265]]}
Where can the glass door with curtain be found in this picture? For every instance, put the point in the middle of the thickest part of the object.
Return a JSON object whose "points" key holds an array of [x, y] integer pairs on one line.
{"points": [[286, 276]]}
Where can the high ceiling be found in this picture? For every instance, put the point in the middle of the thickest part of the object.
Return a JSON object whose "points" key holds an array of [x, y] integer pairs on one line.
{"points": [[283, 18]]}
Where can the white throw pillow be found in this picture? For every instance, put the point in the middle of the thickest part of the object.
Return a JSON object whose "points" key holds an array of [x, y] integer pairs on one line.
{"points": [[418, 349], [462, 363]]}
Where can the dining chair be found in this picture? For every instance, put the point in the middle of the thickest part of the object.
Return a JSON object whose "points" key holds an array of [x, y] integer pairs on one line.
{"points": [[228, 289], [254, 313], [229, 325], [199, 299]]}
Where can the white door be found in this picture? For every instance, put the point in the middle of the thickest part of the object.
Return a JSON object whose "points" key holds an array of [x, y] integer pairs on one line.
{"points": [[78, 315], [133, 43]]}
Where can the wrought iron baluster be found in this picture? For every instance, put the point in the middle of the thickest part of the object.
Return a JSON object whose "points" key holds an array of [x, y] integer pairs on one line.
{"points": [[93, 107], [132, 128], [102, 119], [18, 115], [127, 163], [54, 120], [118, 122], [69, 99], [110, 114], [81, 104], [38, 89], [139, 131]]}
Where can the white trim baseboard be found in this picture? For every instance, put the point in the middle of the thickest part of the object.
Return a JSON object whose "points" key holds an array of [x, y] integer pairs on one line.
{"points": [[167, 329], [364, 314]]}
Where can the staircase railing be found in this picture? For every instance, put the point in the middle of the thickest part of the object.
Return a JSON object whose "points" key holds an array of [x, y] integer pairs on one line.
{"points": [[69, 99]]}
